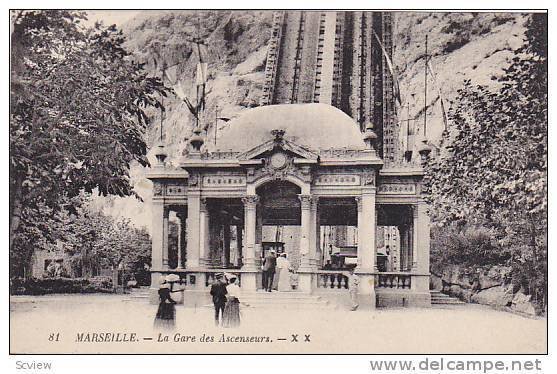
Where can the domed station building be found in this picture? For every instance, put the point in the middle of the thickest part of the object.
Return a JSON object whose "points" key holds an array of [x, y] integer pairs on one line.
{"points": [[318, 172]]}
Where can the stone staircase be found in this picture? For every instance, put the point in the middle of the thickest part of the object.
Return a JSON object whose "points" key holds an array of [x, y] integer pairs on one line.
{"points": [[293, 299], [284, 300], [439, 298], [141, 293]]}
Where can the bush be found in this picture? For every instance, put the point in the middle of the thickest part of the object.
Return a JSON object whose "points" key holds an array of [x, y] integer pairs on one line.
{"points": [[45, 286]]}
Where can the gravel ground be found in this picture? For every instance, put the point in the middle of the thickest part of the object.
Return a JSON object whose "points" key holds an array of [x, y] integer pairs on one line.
{"points": [[454, 329]]}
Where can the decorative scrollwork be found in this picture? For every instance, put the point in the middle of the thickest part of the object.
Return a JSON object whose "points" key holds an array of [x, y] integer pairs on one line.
{"points": [[306, 201], [157, 189], [368, 178], [250, 201], [193, 179], [358, 202]]}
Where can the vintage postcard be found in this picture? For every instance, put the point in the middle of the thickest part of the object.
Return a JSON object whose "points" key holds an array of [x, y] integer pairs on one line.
{"points": [[278, 182]]}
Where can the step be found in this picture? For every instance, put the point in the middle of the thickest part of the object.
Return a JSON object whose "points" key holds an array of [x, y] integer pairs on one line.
{"points": [[439, 298], [294, 306]]}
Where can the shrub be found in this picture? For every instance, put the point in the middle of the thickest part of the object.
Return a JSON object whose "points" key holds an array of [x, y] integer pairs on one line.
{"points": [[45, 286]]}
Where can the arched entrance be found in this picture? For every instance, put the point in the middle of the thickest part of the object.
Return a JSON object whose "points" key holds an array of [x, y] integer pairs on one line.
{"points": [[278, 222]]}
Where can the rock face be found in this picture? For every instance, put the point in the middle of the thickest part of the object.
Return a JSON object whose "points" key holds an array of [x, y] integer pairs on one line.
{"points": [[495, 296], [474, 46], [235, 50], [461, 46], [521, 303], [489, 286]]}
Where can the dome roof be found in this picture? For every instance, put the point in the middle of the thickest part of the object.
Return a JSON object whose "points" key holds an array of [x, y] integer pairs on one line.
{"points": [[314, 126]]}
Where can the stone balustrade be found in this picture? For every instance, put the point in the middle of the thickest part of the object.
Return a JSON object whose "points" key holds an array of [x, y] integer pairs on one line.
{"points": [[325, 279], [333, 279], [393, 280]]}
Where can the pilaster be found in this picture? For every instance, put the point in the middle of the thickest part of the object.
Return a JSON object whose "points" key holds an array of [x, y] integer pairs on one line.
{"points": [[193, 233], [305, 233], [181, 237], [366, 241], [250, 206], [203, 233]]}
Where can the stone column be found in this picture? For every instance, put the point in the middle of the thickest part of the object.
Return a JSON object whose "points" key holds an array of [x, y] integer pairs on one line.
{"points": [[305, 231], [366, 242], [250, 204], [415, 224], [305, 275], [423, 238], [258, 247], [316, 234], [204, 256], [313, 236], [165, 229], [181, 236], [239, 243], [157, 245], [226, 249], [420, 281], [250, 268], [193, 253]]}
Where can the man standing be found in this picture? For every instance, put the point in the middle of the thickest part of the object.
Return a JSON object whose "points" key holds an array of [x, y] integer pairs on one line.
{"points": [[269, 266], [218, 291]]}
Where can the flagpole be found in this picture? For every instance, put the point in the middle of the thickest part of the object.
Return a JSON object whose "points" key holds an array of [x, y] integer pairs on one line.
{"points": [[425, 90], [162, 99], [216, 122]]}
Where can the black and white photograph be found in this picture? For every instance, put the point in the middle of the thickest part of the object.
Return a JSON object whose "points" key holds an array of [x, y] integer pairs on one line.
{"points": [[278, 182]]}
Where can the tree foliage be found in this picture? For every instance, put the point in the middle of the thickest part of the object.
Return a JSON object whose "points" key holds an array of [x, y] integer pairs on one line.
{"points": [[493, 171], [77, 114], [90, 239]]}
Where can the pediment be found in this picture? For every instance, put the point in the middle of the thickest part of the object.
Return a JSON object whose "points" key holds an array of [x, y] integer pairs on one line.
{"points": [[277, 144]]}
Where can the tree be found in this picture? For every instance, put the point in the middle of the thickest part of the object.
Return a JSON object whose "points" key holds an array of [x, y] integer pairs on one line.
{"points": [[95, 240], [78, 107], [494, 169]]}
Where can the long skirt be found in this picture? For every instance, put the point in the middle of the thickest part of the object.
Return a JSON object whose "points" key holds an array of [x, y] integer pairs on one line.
{"points": [[166, 316], [284, 280], [231, 316]]}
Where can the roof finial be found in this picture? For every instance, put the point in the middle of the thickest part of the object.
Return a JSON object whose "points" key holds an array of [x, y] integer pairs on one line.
{"points": [[278, 134]]}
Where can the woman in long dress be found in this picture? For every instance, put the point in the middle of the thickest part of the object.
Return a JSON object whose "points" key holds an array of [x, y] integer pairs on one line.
{"points": [[166, 313], [284, 273], [231, 315]]}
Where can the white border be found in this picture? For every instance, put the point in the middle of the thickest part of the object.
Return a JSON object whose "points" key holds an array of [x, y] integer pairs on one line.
{"points": [[252, 364]]}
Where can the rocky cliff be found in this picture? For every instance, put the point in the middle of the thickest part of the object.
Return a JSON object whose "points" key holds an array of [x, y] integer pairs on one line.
{"points": [[461, 46], [476, 46]]}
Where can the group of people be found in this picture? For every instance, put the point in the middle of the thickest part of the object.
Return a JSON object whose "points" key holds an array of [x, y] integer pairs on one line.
{"points": [[270, 265], [226, 292], [226, 300]]}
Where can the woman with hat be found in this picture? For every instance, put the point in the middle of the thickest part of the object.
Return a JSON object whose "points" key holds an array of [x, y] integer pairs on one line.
{"points": [[231, 316], [166, 313]]}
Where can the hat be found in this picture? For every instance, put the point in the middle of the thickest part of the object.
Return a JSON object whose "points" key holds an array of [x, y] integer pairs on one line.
{"points": [[172, 278], [162, 283], [219, 275], [230, 276], [273, 251]]}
